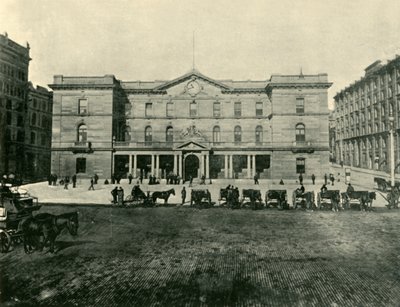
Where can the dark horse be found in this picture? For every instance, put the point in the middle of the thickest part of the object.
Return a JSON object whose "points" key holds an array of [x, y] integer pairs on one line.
{"points": [[163, 195], [45, 227], [365, 198]]}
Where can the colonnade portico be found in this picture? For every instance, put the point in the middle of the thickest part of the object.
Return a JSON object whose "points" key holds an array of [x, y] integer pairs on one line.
{"points": [[178, 161]]}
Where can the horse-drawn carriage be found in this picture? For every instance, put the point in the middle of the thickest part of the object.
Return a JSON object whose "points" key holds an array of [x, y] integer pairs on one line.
{"points": [[304, 200], [253, 197], [16, 205], [139, 198], [229, 197], [329, 200], [200, 198], [276, 198], [360, 199]]}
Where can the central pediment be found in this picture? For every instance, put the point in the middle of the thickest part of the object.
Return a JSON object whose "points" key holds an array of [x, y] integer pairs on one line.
{"points": [[192, 75], [191, 145]]}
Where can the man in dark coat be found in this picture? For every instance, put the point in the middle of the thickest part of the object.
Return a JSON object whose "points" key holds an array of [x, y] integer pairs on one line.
{"points": [[130, 177], [96, 178], [74, 181], [313, 178], [183, 194], [114, 195], [91, 184], [301, 178]]}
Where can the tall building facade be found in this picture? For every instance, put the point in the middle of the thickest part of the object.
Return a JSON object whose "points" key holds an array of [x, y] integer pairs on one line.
{"points": [[20, 155], [365, 111], [192, 126]]}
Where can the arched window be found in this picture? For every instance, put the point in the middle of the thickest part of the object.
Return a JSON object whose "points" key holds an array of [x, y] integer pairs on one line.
{"points": [[300, 133], [82, 133], [238, 134], [169, 135], [148, 135], [216, 134], [33, 119], [259, 135]]}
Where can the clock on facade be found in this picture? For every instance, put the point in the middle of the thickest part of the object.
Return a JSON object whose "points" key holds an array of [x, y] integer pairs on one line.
{"points": [[193, 87]]}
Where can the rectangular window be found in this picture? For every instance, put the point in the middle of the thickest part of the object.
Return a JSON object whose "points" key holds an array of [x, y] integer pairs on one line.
{"points": [[300, 165], [170, 109], [80, 165], [83, 106], [217, 109], [43, 140], [193, 109], [259, 108], [9, 118], [299, 105], [238, 109], [33, 137], [149, 109]]}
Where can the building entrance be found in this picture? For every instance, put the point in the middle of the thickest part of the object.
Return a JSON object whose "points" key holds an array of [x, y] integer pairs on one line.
{"points": [[191, 166]]}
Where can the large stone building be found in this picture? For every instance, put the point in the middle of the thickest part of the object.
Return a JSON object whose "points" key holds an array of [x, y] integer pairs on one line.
{"points": [[19, 153], [191, 126], [362, 112]]}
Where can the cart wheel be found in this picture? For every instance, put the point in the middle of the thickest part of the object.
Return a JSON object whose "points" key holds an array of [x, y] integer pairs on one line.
{"points": [[5, 242]]}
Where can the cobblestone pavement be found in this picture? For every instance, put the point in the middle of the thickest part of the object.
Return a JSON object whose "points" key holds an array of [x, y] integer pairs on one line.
{"points": [[187, 257]]}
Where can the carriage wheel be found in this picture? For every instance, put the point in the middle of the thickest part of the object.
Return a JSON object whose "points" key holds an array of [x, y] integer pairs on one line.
{"points": [[5, 242]]}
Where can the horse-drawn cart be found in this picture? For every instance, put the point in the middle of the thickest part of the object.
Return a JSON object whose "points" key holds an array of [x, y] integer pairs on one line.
{"points": [[276, 198], [138, 198], [329, 200], [253, 197], [305, 200], [360, 199], [229, 197], [200, 198], [16, 206]]}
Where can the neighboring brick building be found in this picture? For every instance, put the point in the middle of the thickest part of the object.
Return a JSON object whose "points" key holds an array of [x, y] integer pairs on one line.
{"points": [[362, 113], [38, 127], [192, 125], [19, 155]]}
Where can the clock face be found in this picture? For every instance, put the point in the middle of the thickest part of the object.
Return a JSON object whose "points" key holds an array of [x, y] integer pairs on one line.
{"points": [[193, 87]]}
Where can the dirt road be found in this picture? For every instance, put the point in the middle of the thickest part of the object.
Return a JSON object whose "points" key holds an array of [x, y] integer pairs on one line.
{"points": [[184, 256]]}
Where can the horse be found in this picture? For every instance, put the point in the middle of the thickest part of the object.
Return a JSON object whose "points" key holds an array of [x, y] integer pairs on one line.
{"points": [[366, 198], [163, 195], [47, 226], [197, 197], [306, 199], [333, 196]]}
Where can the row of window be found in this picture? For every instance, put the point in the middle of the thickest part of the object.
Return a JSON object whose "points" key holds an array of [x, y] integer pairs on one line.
{"points": [[12, 72], [12, 90], [41, 105], [193, 108], [20, 137], [216, 134]]}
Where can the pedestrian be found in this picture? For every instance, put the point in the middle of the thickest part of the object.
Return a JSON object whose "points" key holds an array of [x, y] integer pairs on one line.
{"points": [[49, 179], [349, 189], [301, 179], [114, 195], [96, 178], [74, 181], [203, 179], [65, 183], [55, 179], [324, 188], [178, 179], [91, 184], [118, 178], [141, 178], [341, 164], [326, 179], [190, 180], [281, 182], [313, 178], [256, 179], [183, 194], [113, 179], [332, 179], [130, 177], [120, 196]]}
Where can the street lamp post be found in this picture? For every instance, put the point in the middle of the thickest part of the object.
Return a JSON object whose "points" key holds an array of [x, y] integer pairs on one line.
{"points": [[112, 155], [392, 166]]}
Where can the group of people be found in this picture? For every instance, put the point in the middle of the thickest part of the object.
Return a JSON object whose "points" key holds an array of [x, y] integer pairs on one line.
{"points": [[118, 195], [173, 178]]}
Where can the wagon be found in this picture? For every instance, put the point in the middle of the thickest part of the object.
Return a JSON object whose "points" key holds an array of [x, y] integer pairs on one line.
{"points": [[276, 198], [16, 206], [359, 199], [200, 198], [304, 200], [138, 198], [229, 197], [329, 200], [253, 196]]}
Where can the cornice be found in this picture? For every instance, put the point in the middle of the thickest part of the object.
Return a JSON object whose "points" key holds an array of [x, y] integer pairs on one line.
{"points": [[82, 86], [303, 85]]}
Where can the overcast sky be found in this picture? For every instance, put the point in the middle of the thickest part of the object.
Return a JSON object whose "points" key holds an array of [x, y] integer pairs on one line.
{"points": [[239, 40]]}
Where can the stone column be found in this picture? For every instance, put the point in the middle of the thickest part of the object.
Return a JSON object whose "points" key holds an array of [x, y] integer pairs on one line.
{"points": [[254, 165], [230, 166], [208, 166], [157, 165], [134, 166], [130, 164], [248, 167], [226, 167], [152, 164], [202, 166], [175, 164], [180, 166]]}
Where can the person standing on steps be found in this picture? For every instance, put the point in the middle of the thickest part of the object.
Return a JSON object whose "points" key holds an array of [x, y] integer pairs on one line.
{"points": [[183, 194], [313, 178]]}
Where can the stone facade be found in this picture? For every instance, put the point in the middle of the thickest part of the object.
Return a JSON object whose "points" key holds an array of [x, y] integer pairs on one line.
{"points": [[363, 112], [191, 126]]}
